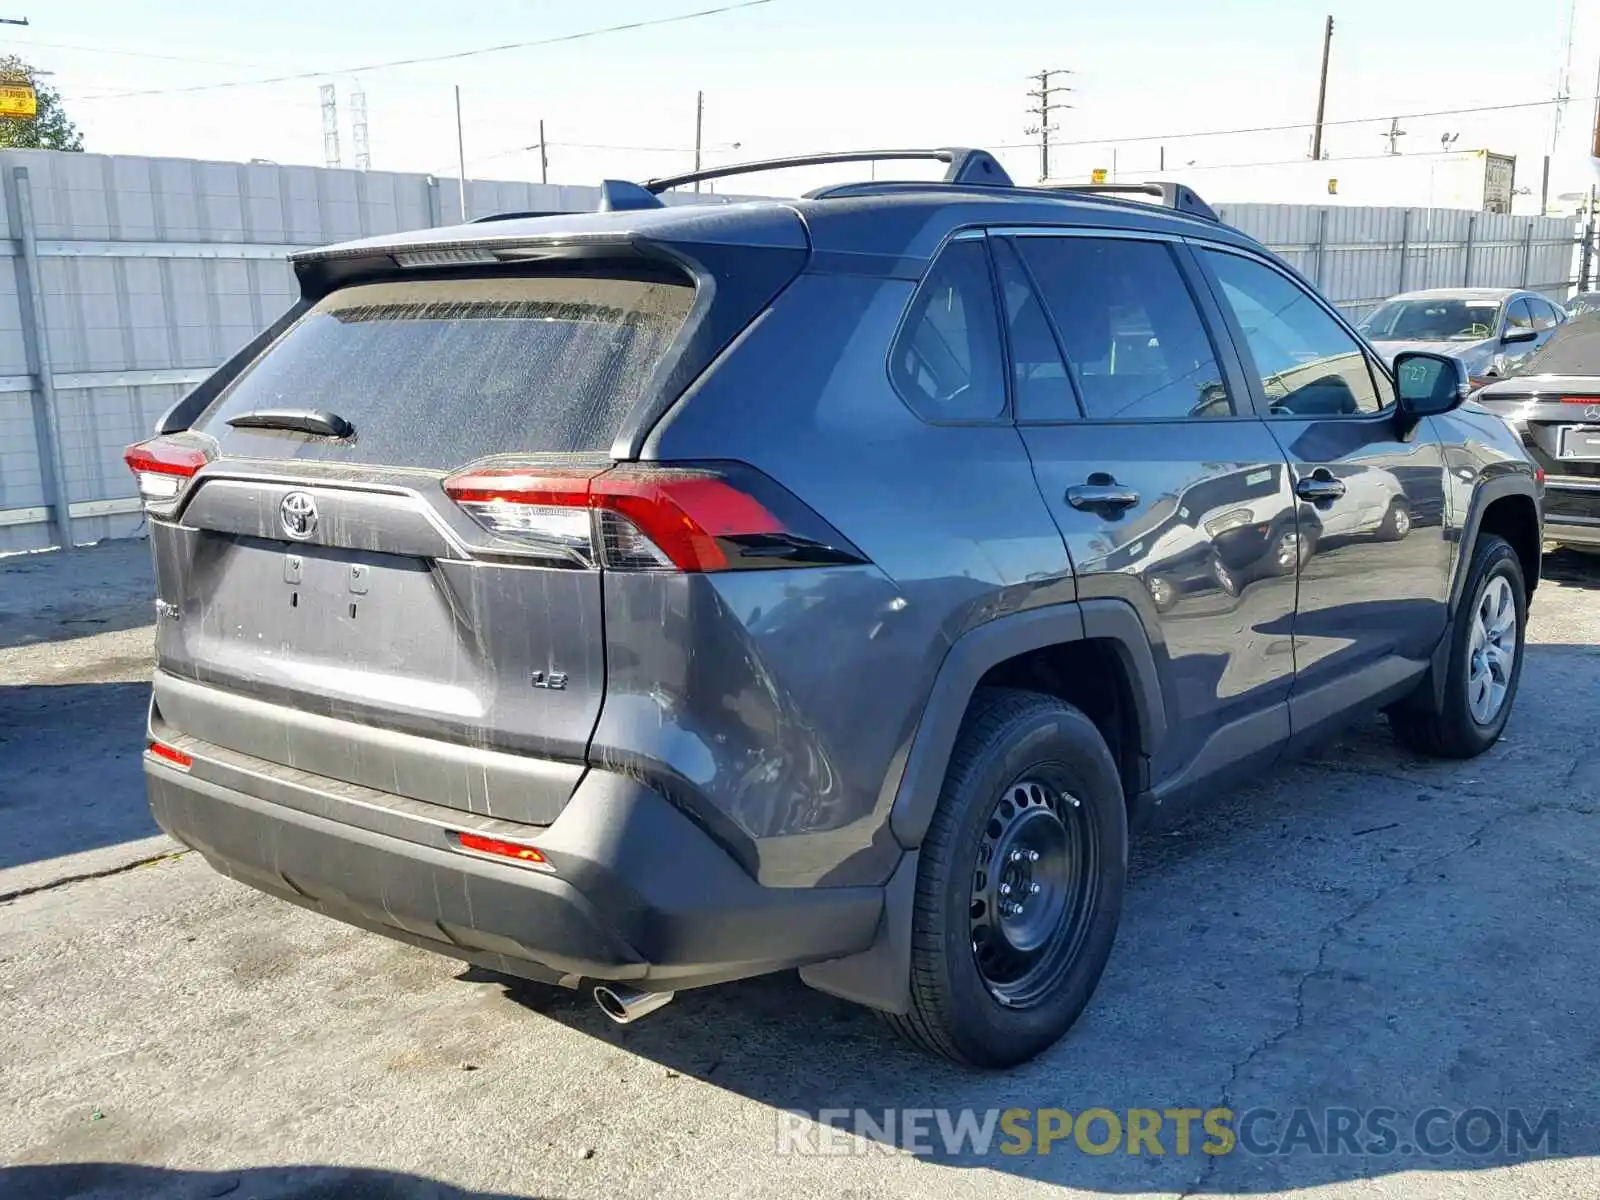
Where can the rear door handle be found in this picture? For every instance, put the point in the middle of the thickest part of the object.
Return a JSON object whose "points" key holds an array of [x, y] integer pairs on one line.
{"points": [[1101, 492], [1319, 487]]}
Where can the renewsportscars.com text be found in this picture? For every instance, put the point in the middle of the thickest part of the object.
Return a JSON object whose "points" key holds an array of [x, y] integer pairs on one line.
{"points": [[1433, 1132]]}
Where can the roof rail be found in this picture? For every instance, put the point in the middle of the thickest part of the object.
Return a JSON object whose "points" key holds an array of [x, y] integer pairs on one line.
{"points": [[966, 166], [1173, 195]]}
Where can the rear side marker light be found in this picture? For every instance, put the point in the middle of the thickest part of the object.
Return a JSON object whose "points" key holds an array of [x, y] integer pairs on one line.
{"points": [[1538, 475], [517, 852], [176, 757], [638, 517]]}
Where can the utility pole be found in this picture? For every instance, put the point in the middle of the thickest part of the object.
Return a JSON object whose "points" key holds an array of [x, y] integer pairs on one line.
{"points": [[699, 126], [1394, 135], [461, 158], [1043, 94], [544, 159], [1322, 90]]}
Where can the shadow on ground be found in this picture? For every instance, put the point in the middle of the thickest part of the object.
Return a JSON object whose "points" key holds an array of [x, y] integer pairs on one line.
{"points": [[70, 773], [95, 589], [1418, 939], [1573, 567], [116, 1181]]}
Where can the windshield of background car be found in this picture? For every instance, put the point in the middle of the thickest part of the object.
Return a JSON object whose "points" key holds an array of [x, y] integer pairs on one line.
{"points": [[1431, 321], [1588, 302]]}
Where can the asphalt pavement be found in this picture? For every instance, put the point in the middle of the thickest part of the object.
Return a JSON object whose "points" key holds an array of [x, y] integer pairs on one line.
{"points": [[1364, 933]]}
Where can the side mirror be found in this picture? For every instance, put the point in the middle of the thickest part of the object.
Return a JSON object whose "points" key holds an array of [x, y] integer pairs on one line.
{"points": [[1513, 336], [1429, 384]]}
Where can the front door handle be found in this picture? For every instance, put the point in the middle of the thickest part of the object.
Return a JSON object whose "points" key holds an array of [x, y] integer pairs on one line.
{"points": [[1319, 487], [1102, 491]]}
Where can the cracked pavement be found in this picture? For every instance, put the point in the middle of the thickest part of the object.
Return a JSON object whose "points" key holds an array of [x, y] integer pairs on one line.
{"points": [[1362, 929]]}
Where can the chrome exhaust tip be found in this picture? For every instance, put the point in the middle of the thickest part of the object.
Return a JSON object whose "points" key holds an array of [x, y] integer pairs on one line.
{"points": [[625, 1004]]}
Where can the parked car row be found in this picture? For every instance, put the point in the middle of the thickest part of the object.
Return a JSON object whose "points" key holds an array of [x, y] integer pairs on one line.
{"points": [[1533, 363]]}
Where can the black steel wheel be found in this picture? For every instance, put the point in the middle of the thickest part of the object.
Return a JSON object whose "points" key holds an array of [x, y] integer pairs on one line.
{"points": [[1034, 885], [1019, 882]]}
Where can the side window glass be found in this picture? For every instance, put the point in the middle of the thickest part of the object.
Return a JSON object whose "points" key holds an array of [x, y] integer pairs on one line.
{"points": [[1519, 315], [1309, 365], [1544, 317], [1040, 386], [946, 362], [1135, 342]]}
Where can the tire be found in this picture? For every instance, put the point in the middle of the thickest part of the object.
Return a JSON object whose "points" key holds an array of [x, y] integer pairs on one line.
{"points": [[1224, 577], [1453, 729], [1396, 522], [1162, 591], [1031, 755], [1287, 552]]}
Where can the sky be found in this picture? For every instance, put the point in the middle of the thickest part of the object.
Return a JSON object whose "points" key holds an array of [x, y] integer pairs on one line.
{"points": [[792, 76]]}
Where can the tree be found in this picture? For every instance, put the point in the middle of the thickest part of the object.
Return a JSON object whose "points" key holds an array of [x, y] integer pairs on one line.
{"points": [[49, 128]]}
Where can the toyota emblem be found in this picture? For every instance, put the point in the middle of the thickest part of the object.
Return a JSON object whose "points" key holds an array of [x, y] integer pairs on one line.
{"points": [[298, 515]]}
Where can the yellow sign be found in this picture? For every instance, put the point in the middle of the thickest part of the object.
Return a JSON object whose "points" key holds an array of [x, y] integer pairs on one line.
{"points": [[18, 100], [1098, 175]]}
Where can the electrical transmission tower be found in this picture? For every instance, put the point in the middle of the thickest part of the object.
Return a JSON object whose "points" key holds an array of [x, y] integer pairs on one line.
{"points": [[330, 126], [1044, 95], [358, 129]]}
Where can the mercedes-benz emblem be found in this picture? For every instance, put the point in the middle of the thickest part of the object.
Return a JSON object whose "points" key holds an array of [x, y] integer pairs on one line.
{"points": [[298, 515], [1592, 413]]}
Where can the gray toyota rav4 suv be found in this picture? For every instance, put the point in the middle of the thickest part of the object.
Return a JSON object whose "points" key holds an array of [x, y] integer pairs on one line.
{"points": [[667, 595]]}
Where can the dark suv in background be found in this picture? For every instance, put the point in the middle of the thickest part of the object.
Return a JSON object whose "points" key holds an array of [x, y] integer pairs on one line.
{"points": [[662, 596]]}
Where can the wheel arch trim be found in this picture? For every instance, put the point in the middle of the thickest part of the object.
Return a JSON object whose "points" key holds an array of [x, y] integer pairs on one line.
{"points": [[1489, 490], [972, 655]]}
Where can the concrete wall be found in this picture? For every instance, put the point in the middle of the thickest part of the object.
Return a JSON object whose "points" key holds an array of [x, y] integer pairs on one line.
{"points": [[152, 271]]}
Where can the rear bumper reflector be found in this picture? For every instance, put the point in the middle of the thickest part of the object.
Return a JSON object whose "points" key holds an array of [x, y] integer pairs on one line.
{"points": [[168, 754], [520, 853]]}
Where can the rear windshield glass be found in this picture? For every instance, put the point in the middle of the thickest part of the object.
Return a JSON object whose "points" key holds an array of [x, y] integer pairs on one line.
{"points": [[437, 373]]}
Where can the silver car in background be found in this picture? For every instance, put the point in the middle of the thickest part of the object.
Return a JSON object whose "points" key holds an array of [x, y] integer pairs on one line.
{"points": [[1491, 330]]}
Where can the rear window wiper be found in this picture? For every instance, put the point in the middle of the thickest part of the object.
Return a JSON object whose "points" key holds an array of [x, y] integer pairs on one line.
{"points": [[299, 420]]}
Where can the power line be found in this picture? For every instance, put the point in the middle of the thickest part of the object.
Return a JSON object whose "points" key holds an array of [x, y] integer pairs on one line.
{"points": [[1292, 162], [435, 58], [1203, 133], [204, 62]]}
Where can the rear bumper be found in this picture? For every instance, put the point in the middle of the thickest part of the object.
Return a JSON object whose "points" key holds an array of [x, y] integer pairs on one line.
{"points": [[637, 891], [1572, 512]]}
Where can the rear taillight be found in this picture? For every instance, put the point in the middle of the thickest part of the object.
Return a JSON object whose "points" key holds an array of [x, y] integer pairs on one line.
{"points": [[163, 467], [1580, 399], [639, 517]]}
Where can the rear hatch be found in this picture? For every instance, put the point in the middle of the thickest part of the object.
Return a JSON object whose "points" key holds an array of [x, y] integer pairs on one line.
{"points": [[331, 602]]}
